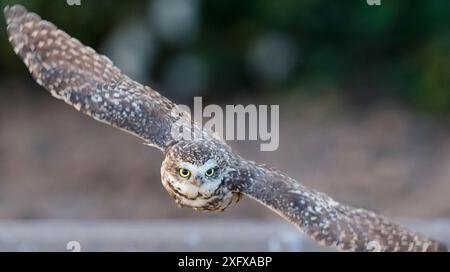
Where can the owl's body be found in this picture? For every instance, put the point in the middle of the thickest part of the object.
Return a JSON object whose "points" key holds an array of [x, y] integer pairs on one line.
{"points": [[202, 173], [200, 191]]}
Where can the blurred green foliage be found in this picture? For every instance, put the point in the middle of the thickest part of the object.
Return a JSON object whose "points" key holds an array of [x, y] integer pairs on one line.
{"points": [[398, 50]]}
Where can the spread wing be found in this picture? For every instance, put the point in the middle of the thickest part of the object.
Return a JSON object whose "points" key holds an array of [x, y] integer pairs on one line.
{"points": [[88, 81], [326, 221]]}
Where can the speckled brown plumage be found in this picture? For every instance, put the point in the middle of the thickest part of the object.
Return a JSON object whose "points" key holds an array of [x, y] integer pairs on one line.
{"points": [[91, 83], [88, 81], [325, 220]]}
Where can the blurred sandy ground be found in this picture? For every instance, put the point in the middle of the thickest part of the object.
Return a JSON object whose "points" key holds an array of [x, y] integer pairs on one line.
{"points": [[58, 164], [172, 235]]}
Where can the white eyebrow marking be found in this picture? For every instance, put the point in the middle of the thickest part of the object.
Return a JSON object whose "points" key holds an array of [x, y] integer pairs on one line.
{"points": [[207, 165]]}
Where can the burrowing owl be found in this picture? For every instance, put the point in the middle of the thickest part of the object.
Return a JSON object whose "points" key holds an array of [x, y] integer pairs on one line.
{"points": [[202, 173]]}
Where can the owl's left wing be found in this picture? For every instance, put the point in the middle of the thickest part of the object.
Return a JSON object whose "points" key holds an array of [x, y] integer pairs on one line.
{"points": [[326, 221], [88, 81]]}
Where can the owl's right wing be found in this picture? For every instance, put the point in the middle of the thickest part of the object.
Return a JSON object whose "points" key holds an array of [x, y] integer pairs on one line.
{"points": [[326, 221], [88, 81]]}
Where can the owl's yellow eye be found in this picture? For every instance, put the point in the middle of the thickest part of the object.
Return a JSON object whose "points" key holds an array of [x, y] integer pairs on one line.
{"points": [[209, 172], [184, 173]]}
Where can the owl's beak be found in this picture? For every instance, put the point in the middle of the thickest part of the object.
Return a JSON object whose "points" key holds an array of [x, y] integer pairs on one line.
{"points": [[197, 181]]}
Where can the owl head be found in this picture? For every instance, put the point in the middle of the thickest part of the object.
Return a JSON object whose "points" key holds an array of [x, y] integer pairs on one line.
{"points": [[195, 174]]}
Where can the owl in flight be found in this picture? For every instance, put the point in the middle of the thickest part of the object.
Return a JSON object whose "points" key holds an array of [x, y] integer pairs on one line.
{"points": [[202, 173]]}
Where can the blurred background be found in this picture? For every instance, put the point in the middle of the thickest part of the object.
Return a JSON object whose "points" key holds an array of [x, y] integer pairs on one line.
{"points": [[364, 95]]}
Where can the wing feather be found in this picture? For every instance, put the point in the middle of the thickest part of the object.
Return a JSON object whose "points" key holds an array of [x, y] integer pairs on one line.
{"points": [[323, 219], [89, 81]]}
